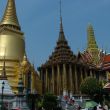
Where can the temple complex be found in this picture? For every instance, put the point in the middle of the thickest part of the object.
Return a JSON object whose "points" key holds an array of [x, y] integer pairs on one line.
{"points": [[61, 74], [64, 71], [12, 46]]}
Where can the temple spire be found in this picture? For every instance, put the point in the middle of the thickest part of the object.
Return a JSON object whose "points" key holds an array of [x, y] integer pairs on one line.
{"points": [[61, 34], [3, 75], [10, 16], [91, 44]]}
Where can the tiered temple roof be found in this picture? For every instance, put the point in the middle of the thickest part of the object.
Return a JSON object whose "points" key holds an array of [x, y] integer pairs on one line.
{"points": [[92, 46], [62, 52]]}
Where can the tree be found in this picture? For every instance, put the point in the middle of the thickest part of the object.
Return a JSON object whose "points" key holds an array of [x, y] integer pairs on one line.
{"points": [[92, 87], [49, 101]]}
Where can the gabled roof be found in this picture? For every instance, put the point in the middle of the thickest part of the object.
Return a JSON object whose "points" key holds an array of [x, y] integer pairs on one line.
{"points": [[106, 58], [85, 58], [105, 62]]}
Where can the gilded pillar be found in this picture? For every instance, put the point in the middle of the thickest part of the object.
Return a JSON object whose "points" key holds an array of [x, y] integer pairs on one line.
{"points": [[46, 80], [76, 79], [81, 71], [32, 82], [64, 80], [53, 79], [58, 80], [71, 80], [41, 74]]}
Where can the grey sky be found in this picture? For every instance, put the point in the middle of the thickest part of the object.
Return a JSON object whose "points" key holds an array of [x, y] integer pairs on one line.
{"points": [[39, 20]]}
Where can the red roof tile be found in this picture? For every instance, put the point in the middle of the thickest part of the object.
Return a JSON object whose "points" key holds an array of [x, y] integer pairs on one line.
{"points": [[106, 58]]}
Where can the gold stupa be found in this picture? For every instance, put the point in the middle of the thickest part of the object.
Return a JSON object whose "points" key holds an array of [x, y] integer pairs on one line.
{"points": [[12, 46]]}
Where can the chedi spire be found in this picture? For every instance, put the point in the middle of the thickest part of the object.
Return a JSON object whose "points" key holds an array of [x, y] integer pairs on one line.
{"points": [[10, 16]]}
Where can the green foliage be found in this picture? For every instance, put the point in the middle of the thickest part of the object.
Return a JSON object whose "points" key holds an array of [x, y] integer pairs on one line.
{"points": [[90, 86], [49, 101], [39, 103]]}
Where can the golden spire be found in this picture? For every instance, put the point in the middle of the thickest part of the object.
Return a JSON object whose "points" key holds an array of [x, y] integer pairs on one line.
{"points": [[61, 34], [92, 44], [10, 16]]}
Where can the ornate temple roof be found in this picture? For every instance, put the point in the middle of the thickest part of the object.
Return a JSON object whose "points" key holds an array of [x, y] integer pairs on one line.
{"points": [[62, 52], [85, 59], [10, 16], [92, 46], [106, 62], [106, 58]]}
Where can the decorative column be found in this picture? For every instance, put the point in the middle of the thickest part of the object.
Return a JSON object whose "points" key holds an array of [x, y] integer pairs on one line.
{"points": [[81, 74], [32, 82], [53, 79], [41, 74], [46, 80], [58, 80], [71, 80], [64, 81], [76, 79]]}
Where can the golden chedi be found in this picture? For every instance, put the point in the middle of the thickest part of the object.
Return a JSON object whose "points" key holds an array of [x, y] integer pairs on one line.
{"points": [[12, 46]]}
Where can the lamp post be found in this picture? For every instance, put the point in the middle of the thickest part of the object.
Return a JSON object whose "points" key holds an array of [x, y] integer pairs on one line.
{"points": [[2, 96]]}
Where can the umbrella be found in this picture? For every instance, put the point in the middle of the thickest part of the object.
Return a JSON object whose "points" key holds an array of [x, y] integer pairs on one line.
{"points": [[89, 104]]}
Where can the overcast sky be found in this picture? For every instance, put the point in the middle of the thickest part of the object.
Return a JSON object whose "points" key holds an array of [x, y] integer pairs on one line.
{"points": [[40, 21]]}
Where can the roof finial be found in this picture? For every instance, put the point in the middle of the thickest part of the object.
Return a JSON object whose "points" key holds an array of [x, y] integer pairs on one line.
{"points": [[61, 25], [61, 34]]}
